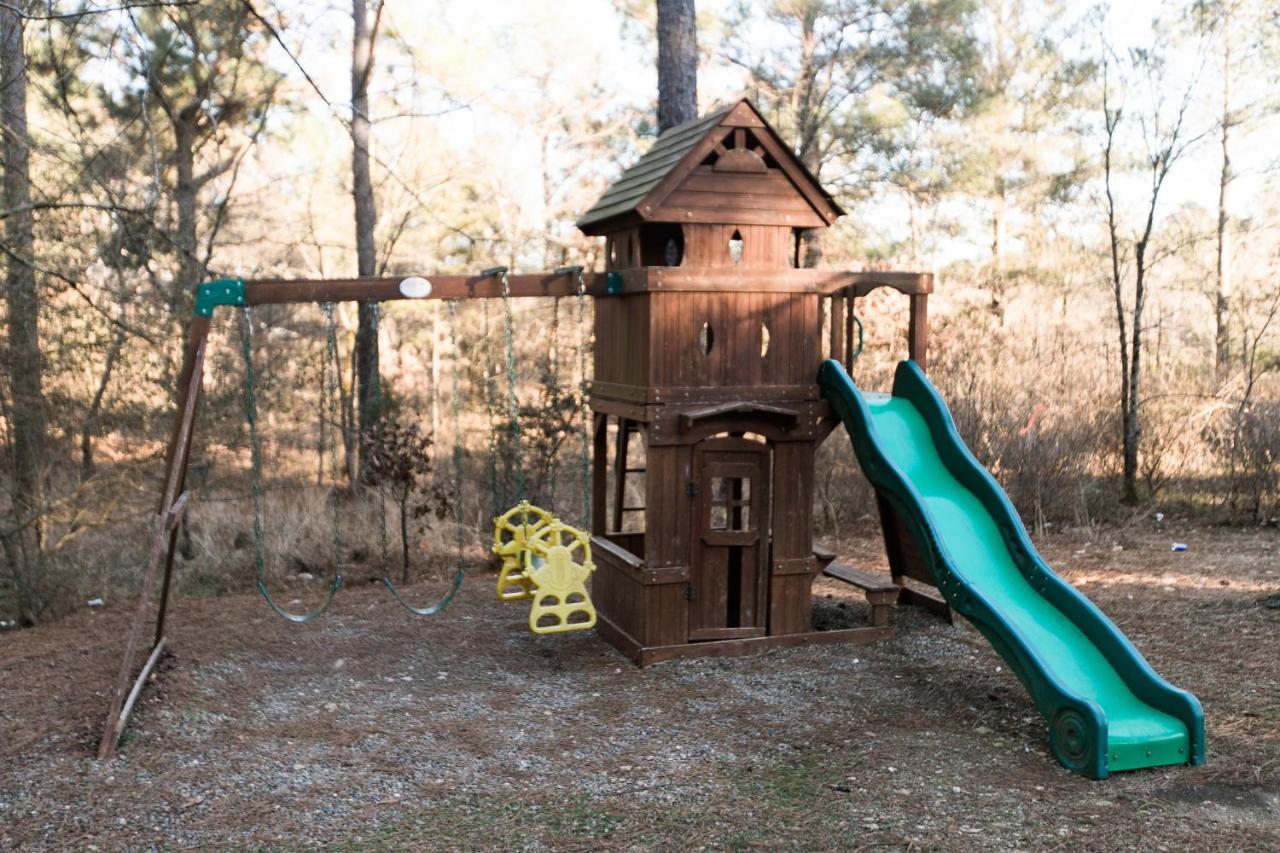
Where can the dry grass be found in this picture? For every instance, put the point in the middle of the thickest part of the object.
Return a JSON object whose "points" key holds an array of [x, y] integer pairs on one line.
{"points": [[1031, 386]]}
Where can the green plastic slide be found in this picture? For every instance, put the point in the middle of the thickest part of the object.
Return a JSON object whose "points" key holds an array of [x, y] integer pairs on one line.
{"points": [[1107, 708]]}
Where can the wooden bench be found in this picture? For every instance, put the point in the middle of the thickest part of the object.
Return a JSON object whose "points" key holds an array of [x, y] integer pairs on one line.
{"points": [[881, 592]]}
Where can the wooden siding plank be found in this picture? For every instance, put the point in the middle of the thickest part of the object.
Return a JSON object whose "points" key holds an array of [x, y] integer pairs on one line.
{"points": [[773, 182], [737, 213]]}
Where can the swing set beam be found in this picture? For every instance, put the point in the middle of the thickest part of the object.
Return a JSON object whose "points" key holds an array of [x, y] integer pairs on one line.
{"points": [[283, 291]]}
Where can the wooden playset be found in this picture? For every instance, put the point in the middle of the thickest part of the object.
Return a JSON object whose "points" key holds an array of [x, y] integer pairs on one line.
{"points": [[707, 411], [720, 366]]}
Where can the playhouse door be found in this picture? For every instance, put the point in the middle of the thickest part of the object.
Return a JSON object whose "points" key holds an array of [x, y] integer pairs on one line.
{"points": [[727, 580]]}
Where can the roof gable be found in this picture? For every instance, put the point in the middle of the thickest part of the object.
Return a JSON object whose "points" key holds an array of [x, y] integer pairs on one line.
{"points": [[727, 166]]}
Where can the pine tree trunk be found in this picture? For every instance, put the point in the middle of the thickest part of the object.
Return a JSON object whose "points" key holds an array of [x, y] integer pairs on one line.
{"points": [[24, 368], [1222, 296], [367, 396], [1131, 423], [677, 63], [190, 270], [802, 95], [802, 107]]}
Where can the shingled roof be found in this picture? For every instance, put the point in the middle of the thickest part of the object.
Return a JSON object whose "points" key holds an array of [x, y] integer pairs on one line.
{"points": [[640, 189], [666, 153]]}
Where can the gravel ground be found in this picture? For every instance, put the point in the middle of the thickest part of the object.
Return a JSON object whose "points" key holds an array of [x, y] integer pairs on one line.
{"points": [[371, 728]]}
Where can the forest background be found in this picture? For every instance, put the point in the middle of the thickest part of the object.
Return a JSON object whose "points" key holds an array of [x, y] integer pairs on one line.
{"points": [[1093, 188]]}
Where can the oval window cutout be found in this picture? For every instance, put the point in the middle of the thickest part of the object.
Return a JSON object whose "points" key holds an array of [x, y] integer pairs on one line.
{"points": [[735, 248], [706, 338], [764, 340]]}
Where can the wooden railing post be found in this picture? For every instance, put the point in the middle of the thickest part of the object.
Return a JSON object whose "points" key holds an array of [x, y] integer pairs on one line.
{"points": [[599, 472], [918, 331], [837, 325]]}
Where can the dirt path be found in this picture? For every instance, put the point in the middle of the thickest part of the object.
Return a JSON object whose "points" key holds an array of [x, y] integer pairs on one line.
{"points": [[372, 728]]}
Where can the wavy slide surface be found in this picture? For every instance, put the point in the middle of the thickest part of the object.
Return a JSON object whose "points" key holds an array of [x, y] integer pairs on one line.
{"points": [[1107, 708]]}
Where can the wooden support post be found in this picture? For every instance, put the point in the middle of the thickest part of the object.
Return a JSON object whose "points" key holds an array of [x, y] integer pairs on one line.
{"points": [[620, 473], [139, 682], [173, 518], [599, 472], [918, 331], [850, 341], [165, 524], [191, 380], [837, 325]]}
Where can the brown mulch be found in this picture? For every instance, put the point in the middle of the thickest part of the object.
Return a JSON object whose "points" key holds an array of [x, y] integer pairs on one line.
{"points": [[371, 727]]}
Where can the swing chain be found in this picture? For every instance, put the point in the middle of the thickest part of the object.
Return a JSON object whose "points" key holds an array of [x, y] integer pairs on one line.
{"points": [[490, 407], [331, 378], [255, 453], [513, 402], [583, 403], [255, 461], [584, 406], [458, 515]]}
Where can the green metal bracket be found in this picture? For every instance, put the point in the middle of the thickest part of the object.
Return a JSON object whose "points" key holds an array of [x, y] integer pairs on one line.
{"points": [[222, 291], [613, 282]]}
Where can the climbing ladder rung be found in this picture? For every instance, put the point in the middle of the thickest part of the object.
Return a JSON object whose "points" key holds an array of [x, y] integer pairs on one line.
{"points": [[633, 509]]}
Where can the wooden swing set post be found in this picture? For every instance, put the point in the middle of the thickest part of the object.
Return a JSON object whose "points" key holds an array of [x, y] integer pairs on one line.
{"points": [[163, 540]]}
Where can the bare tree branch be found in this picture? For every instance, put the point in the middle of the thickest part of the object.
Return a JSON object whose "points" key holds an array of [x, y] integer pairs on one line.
{"points": [[96, 10]]}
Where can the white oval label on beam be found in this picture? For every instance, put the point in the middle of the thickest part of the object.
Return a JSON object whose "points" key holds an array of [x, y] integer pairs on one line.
{"points": [[415, 287]]}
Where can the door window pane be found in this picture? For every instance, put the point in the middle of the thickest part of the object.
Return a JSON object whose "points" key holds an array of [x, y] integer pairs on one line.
{"points": [[730, 504]]}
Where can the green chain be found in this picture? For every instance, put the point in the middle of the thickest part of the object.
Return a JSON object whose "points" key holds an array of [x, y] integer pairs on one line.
{"points": [[553, 346], [853, 358], [489, 407], [584, 405], [334, 362], [458, 515], [553, 397], [255, 457], [513, 402]]}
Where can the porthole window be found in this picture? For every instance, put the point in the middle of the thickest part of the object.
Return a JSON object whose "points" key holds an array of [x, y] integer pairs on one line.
{"points": [[764, 340], [661, 244], [672, 252], [735, 247], [706, 338]]}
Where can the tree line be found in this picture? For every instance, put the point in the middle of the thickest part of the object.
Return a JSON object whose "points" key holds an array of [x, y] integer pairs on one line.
{"points": [[1043, 160]]}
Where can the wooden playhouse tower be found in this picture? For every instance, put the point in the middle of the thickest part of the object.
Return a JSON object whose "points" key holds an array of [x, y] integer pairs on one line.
{"points": [[707, 415]]}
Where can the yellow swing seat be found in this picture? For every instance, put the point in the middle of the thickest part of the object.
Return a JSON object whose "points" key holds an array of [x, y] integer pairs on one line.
{"points": [[547, 561], [559, 562], [511, 533]]}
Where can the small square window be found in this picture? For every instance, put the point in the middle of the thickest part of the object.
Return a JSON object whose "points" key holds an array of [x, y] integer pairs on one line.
{"points": [[730, 503]]}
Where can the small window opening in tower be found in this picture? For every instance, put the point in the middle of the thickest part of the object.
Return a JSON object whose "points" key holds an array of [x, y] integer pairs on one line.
{"points": [[735, 247]]}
